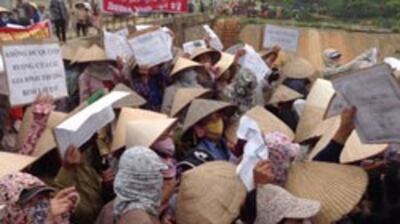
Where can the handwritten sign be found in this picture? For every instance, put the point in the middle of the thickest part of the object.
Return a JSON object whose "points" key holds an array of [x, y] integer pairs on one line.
{"points": [[117, 46], [284, 37], [376, 95], [191, 46], [151, 48], [215, 42], [79, 128], [32, 69], [254, 63]]}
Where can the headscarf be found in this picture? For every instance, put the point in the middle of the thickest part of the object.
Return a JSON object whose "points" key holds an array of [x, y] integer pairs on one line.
{"points": [[281, 152], [165, 148], [328, 55], [34, 211], [138, 182], [187, 78]]}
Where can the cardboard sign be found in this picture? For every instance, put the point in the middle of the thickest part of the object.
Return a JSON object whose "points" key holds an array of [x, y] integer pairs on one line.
{"points": [[285, 38], [33, 68], [151, 48]]}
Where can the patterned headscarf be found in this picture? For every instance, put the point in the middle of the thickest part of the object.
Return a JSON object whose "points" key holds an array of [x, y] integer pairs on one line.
{"points": [[281, 152], [34, 211], [139, 181]]}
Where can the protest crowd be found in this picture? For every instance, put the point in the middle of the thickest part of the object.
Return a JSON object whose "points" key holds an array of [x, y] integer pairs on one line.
{"points": [[132, 128]]}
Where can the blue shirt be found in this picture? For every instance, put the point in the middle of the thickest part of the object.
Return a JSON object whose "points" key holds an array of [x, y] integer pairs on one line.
{"points": [[219, 152]]}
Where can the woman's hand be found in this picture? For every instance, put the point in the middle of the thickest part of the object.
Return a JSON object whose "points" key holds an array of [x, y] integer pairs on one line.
{"points": [[73, 157], [64, 202]]}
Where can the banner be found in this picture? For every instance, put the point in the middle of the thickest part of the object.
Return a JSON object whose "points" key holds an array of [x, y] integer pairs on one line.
{"points": [[33, 68], [123, 6], [38, 31]]}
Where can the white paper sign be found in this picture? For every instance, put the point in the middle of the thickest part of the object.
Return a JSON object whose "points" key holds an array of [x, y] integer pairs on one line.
{"points": [[32, 69], [79, 128], [247, 128], [336, 106], [151, 48], [252, 61], [376, 95], [283, 37], [116, 46], [123, 32], [215, 42], [191, 46]]}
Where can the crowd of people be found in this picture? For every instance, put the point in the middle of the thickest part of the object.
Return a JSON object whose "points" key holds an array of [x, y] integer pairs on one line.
{"points": [[172, 153]]}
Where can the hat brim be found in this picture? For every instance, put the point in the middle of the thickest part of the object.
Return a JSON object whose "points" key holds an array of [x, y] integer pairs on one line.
{"points": [[28, 194], [303, 209], [215, 55]]}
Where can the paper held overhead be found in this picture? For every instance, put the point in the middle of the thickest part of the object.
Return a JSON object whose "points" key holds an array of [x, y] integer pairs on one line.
{"points": [[116, 45], [284, 37], [79, 128], [191, 46], [252, 61], [215, 42]]}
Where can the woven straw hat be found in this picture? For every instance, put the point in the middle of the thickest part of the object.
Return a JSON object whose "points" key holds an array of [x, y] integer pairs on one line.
{"points": [[132, 100], [184, 96], [92, 54], [298, 68], [224, 63], [275, 204], [2, 9], [146, 132], [284, 94], [12, 162], [182, 64], [79, 53], [312, 123], [337, 187], [215, 55], [46, 141], [200, 109], [353, 150], [268, 122], [210, 194], [129, 115], [68, 52]]}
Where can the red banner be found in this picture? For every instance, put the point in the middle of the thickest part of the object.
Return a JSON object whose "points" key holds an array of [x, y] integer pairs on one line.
{"points": [[131, 6], [40, 30]]}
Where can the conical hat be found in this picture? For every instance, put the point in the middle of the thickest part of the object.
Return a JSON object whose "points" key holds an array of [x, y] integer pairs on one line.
{"points": [[353, 150], [268, 122], [224, 63], [210, 193], [92, 54], [12, 162], [200, 109], [183, 64], [311, 123], [215, 55], [184, 96], [338, 188], [2, 9], [146, 132], [132, 100], [68, 52], [79, 53], [46, 141], [129, 115], [298, 68], [284, 94]]}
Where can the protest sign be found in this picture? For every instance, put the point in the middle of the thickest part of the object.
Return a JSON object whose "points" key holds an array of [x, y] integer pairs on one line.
{"points": [[151, 48], [116, 45], [79, 128], [123, 32], [122, 6], [41, 30], [191, 46], [376, 95], [253, 61], [215, 42], [33, 68], [283, 37]]}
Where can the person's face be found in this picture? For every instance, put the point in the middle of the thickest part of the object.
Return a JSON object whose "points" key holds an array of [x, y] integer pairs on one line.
{"points": [[204, 59], [203, 78], [212, 127]]}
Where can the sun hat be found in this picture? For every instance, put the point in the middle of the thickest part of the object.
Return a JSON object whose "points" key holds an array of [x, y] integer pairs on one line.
{"points": [[211, 193], [224, 63], [46, 141], [353, 150], [298, 68], [147, 132], [275, 204], [268, 122], [338, 188], [201, 108], [68, 52], [184, 96], [312, 123], [33, 4], [132, 100], [2, 9], [182, 64], [12, 162], [129, 115], [215, 55], [284, 94], [93, 54]]}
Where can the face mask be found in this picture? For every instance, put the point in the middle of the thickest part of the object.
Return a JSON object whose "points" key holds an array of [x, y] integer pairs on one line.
{"points": [[215, 127]]}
